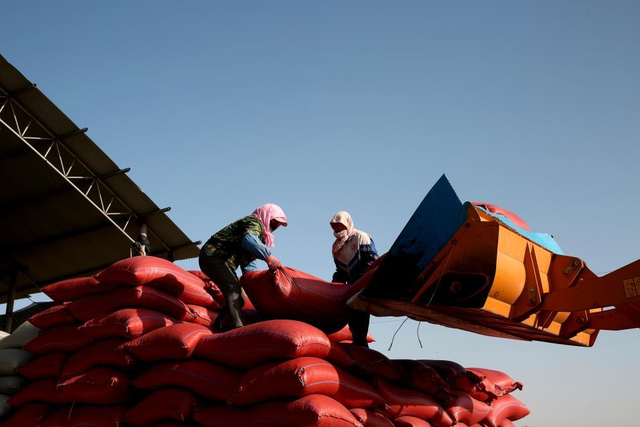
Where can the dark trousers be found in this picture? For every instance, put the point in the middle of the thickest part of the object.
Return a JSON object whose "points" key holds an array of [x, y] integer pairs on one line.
{"points": [[359, 327], [227, 281]]}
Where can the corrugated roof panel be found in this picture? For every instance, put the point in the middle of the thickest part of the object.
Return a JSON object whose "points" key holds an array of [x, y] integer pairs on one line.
{"points": [[49, 225]]}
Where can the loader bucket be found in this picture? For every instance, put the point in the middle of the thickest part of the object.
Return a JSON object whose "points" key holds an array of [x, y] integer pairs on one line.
{"points": [[461, 266]]}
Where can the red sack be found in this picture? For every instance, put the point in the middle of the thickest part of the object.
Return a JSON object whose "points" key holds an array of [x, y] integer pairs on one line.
{"points": [[166, 404], [103, 353], [206, 316], [506, 407], [266, 341], [127, 323], [41, 391], [203, 315], [159, 273], [101, 386], [510, 215], [51, 317], [368, 418], [29, 416], [344, 336], [452, 372], [421, 377], [87, 415], [207, 379], [65, 338], [211, 287], [292, 294], [95, 306], [72, 289], [301, 377], [402, 401], [309, 411], [369, 362], [408, 421], [47, 366], [493, 384], [175, 342], [464, 408]]}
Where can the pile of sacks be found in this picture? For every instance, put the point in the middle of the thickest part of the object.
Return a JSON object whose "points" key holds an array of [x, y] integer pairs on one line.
{"points": [[134, 346]]}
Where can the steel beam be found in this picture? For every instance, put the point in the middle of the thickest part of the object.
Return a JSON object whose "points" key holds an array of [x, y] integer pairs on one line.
{"points": [[20, 129]]}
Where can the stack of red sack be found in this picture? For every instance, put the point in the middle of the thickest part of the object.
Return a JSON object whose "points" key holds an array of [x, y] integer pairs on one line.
{"points": [[133, 346]]}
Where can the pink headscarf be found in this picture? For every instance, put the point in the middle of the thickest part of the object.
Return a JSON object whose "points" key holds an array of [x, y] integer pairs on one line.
{"points": [[266, 213], [343, 218]]}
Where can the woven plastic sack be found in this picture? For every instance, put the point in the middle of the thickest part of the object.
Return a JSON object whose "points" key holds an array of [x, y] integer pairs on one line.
{"points": [[309, 411], [128, 323], [96, 306], [73, 289], [12, 359], [47, 366], [41, 391], [369, 362], [504, 408], [159, 273], [493, 384], [421, 377], [466, 409], [51, 317], [344, 336], [20, 337], [87, 416], [11, 385], [408, 421], [29, 416], [101, 386], [369, 418], [452, 372], [103, 353], [402, 402], [175, 342], [267, 341], [301, 377], [5, 408], [65, 338], [211, 287], [291, 294], [166, 404], [204, 378]]}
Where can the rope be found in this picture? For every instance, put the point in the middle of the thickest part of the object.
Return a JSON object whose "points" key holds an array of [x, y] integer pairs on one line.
{"points": [[394, 335], [418, 334], [71, 409]]}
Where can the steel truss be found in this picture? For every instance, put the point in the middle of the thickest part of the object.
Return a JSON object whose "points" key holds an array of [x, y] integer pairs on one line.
{"points": [[64, 164]]}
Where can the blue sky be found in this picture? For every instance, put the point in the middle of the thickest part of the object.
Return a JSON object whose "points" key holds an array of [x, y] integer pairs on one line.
{"points": [[219, 107]]}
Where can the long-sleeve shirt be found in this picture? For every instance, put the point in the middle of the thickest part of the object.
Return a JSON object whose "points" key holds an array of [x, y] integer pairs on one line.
{"points": [[355, 256], [239, 244]]}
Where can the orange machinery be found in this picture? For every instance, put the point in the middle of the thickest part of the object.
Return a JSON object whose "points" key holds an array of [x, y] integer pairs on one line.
{"points": [[461, 266]]}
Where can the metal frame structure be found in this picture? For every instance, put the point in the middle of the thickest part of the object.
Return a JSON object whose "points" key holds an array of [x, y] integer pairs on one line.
{"points": [[78, 166]]}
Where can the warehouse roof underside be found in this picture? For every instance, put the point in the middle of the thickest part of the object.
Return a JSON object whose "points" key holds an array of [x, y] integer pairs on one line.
{"points": [[66, 209]]}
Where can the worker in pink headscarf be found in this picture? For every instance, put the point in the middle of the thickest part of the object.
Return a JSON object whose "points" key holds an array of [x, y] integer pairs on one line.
{"points": [[240, 244], [353, 252]]}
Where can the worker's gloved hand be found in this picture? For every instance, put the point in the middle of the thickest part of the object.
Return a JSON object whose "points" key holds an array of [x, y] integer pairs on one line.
{"points": [[273, 263]]}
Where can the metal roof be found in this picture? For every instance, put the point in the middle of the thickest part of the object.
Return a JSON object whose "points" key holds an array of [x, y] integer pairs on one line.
{"points": [[66, 209]]}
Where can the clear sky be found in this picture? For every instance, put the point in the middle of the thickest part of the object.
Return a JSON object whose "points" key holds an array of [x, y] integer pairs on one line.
{"points": [[219, 107]]}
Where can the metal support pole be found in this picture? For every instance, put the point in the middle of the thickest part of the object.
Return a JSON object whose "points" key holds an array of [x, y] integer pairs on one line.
{"points": [[11, 296]]}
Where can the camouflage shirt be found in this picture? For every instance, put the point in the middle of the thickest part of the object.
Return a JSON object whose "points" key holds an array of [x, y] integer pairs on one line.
{"points": [[227, 243]]}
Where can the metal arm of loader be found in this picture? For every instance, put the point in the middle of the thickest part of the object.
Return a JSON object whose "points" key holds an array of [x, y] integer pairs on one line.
{"points": [[619, 287]]}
